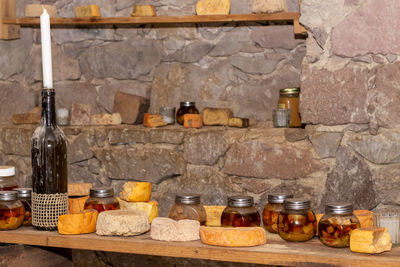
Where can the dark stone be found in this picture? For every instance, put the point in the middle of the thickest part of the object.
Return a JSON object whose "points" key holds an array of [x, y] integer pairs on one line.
{"points": [[17, 141], [169, 136], [387, 182], [295, 134], [326, 144], [191, 53], [128, 135], [80, 147]]}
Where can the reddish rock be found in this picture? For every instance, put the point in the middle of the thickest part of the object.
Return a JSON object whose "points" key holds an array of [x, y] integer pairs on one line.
{"points": [[80, 114], [32, 117], [275, 37], [130, 107], [326, 144]]}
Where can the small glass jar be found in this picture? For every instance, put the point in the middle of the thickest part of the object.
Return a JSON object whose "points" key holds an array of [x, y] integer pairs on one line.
{"points": [[290, 98], [188, 207], [101, 199], [240, 213], [272, 210], [334, 228], [11, 210], [389, 218], [24, 195], [186, 108], [297, 222], [281, 116], [7, 178]]}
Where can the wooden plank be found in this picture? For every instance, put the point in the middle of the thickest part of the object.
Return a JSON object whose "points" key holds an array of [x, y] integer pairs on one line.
{"points": [[297, 27], [276, 252], [7, 10]]}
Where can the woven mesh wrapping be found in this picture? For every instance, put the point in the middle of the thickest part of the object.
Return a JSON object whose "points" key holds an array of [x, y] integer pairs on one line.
{"points": [[46, 208]]}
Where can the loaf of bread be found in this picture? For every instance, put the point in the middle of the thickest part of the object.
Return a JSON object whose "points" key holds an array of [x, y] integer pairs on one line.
{"points": [[214, 215], [122, 222], [370, 240], [216, 116], [136, 191], [78, 223], [151, 207], [87, 11], [233, 237], [365, 217]]}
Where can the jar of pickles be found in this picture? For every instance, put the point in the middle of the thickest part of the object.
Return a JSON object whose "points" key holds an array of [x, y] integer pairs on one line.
{"points": [[240, 212], [11, 210], [334, 228], [7, 178], [272, 210], [188, 207], [24, 195], [186, 108], [297, 222], [101, 199]]}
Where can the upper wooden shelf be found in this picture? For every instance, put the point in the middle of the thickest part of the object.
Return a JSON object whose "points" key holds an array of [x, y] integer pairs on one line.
{"points": [[275, 252]]}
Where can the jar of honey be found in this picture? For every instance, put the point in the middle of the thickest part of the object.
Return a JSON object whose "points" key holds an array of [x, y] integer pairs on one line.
{"points": [[297, 222], [240, 212], [24, 195], [188, 207], [101, 199], [334, 228], [7, 178], [11, 210], [186, 108], [290, 98], [272, 210]]}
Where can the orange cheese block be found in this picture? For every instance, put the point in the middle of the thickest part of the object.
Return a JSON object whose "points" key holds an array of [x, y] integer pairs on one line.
{"points": [[370, 240], [192, 121], [76, 204], [365, 217], [233, 237], [153, 120], [144, 11], [136, 191], [87, 11], [78, 223]]}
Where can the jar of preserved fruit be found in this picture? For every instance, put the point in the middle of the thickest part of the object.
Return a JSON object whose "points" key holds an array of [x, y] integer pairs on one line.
{"points": [[188, 207], [272, 210], [290, 98], [334, 228], [24, 195], [185, 108], [101, 199], [7, 178], [240, 212], [11, 210], [297, 222]]}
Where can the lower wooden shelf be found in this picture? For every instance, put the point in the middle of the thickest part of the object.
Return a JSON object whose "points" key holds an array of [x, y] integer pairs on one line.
{"points": [[275, 252]]}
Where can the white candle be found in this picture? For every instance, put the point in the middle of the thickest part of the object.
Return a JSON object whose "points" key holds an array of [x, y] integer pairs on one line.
{"points": [[46, 50]]}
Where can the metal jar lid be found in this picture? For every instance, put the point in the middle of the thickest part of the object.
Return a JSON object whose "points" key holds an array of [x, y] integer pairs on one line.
{"points": [[6, 171], [8, 195], [188, 104], [101, 192], [24, 192], [289, 91], [278, 197], [187, 199], [296, 204], [240, 201], [339, 208]]}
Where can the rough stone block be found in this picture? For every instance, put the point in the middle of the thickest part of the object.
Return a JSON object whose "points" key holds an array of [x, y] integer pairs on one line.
{"points": [[35, 10], [105, 119], [80, 114], [166, 229], [32, 117], [217, 116], [153, 120], [130, 107]]}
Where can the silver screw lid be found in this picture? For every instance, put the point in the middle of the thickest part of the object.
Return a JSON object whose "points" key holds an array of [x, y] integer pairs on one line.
{"points": [[278, 197], [296, 204], [187, 199], [188, 104], [240, 201], [101, 191], [24, 192], [8, 195], [339, 208]]}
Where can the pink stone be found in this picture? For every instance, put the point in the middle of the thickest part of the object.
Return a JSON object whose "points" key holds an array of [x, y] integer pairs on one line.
{"points": [[275, 37]]}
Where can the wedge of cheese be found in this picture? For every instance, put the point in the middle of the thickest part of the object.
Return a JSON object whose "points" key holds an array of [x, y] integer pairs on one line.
{"points": [[213, 7], [151, 207], [365, 217], [214, 215], [144, 11], [153, 120], [370, 240], [136, 191], [78, 223], [233, 237], [76, 204], [87, 11]]}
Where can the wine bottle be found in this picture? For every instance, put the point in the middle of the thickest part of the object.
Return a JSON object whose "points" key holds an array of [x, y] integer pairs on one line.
{"points": [[49, 168]]}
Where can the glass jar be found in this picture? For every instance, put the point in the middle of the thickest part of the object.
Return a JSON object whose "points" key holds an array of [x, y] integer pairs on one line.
{"points": [[334, 228], [297, 222], [240, 213], [11, 210], [188, 207], [7, 178], [290, 98], [272, 210], [389, 218], [24, 195], [186, 108], [101, 199]]}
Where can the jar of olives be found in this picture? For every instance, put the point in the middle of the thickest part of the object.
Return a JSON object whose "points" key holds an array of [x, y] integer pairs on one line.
{"points": [[334, 228], [24, 195], [188, 207], [240, 212], [11, 210], [186, 108], [272, 210], [101, 199], [7, 178], [297, 222]]}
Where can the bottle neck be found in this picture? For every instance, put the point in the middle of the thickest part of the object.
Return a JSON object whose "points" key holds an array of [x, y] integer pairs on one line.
{"points": [[48, 107]]}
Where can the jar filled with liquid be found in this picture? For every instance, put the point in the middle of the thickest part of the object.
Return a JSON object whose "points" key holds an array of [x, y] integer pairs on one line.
{"points": [[185, 108], [240, 212], [101, 199], [11, 210], [24, 195], [188, 207], [7, 178], [290, 98], [272, 210]]}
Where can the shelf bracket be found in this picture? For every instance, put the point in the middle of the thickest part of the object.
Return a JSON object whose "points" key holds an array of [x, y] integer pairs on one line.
{"points": [[298, 28], [7, 10]]}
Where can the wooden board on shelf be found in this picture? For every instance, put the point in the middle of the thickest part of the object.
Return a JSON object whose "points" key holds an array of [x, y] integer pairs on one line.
{"points": [[275, 252], [7, 31]]}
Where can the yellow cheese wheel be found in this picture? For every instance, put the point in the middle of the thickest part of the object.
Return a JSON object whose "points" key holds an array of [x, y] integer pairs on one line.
{"points": [[233, 237], [214, 215], [370, 240], [76, 204], [136, 191], [151, 207], [365, 217], [78, 223]]}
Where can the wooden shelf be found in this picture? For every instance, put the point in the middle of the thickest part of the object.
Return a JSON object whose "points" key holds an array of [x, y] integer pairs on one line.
{"points": [[275, 252]]}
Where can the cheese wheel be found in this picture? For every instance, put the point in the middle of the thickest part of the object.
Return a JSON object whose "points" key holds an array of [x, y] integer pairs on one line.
{"points": [[136, 191], [370, 240], [214, 215], [76, 204], [122, 222], [365, 217], [151, 207], [78, 223], [233, 237]]}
